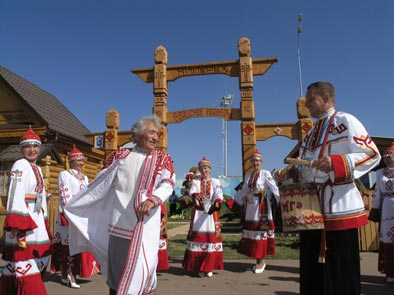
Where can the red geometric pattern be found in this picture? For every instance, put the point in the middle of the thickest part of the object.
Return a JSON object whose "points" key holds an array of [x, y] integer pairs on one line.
{"points": [[110, 136], [300, 207], [22, 271], [367, 143], [248, 129]]}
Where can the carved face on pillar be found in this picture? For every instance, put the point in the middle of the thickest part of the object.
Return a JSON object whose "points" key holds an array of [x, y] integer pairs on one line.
{"points": [[244, 46], [161, 55], [112, 119]]}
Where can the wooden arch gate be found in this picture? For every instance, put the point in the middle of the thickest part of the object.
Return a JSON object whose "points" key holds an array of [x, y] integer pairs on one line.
{"points": [[244, 68]]}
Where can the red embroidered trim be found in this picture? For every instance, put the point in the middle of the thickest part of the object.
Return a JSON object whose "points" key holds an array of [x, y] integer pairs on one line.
{"points": [[253, 180], [341, 170], [40, 181]]}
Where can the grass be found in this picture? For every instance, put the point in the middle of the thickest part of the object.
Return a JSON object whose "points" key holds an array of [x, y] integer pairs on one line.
{"points": [[171, 224], [287, 247]]}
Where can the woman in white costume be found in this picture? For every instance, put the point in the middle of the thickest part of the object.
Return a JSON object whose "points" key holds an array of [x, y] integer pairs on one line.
{"points": [[204, 250], [258, 228], [27, 234], [84, 264], [383, 212]]}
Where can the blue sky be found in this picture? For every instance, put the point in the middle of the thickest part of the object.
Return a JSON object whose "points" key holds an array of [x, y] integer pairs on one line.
{"points": [[83, 52]]}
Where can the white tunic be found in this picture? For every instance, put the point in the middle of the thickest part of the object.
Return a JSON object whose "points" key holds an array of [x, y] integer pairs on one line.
{"points": [[69, 185], [26, 212], [202, 221], [108, 206], [353, 153], [258, 228], [246, 196]]}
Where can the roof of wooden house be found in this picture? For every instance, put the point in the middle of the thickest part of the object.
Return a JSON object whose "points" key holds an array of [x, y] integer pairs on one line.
{"points": [[54, 115]]}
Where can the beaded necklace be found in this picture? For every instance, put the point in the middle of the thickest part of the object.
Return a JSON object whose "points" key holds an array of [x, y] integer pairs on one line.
{"points": [[79, 176], [389, 173]]}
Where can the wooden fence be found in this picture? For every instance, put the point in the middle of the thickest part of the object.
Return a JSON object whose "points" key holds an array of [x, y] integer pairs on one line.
{"points": [[369, 234]]}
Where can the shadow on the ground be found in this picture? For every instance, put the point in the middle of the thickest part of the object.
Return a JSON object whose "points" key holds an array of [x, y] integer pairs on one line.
{"points": [[233, 266], [56, 279], [376, 285]]}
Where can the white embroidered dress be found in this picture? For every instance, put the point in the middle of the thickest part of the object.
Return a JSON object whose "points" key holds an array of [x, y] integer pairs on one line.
{"points": [[258, 233], [108, 207], [383, 201], [26, 212], [70, 182], [204, 248]]}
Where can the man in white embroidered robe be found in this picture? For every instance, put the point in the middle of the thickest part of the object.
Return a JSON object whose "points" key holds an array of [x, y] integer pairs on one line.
{"points": [[118, 216], [341, 151]]}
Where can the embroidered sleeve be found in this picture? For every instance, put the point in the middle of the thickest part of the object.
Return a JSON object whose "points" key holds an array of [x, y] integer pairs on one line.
{"points": [[271, 184], [155, 200], [363, 155], [21, 192], [241, 194], [218, 191], [164, 179], [342, 169], [64, 190], [195, 187]]}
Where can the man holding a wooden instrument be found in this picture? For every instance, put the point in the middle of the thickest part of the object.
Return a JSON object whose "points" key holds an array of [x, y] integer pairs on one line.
{"points": [[339, 151]]}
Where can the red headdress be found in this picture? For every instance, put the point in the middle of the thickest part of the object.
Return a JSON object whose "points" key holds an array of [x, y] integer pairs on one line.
{"points": [[30, 137], [389, 150], [190, 176], [257, 155], [75, 154], [204, 162]]}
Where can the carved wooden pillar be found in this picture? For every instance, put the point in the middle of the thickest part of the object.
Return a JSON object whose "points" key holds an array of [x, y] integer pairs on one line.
{"points": [[111, 133], [46, 172], [160, 92], [52, 198], [248, 127], [304, 119]]}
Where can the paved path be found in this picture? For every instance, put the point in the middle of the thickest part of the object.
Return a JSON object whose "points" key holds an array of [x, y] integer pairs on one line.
{"points": [[280, 277]]}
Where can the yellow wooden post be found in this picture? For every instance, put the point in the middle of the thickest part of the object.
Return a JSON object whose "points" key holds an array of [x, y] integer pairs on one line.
{"points": [[248, 126], [111, 134], [369, 234], [160, 92]]}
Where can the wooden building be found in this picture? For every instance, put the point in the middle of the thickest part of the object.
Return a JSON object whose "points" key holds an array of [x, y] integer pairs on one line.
{"points": [[22, 104]]}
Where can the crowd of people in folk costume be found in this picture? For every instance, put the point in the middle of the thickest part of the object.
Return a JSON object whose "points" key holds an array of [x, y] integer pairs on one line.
{"points": [[114, 224]]}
